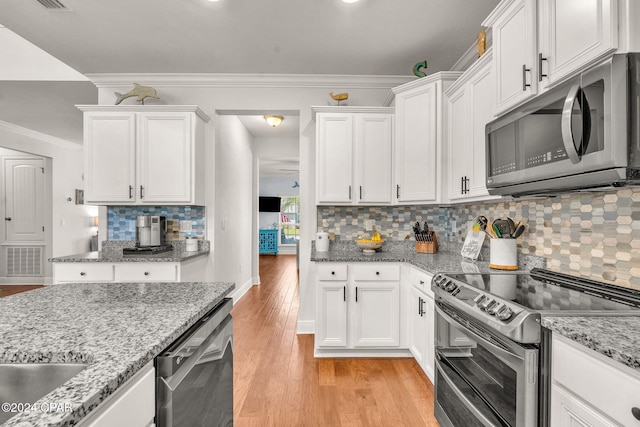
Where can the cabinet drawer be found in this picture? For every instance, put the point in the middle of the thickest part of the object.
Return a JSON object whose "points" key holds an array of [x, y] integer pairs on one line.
{"points": [[421, 280], [83, 272], [332, 272], [147, 272], [376, 272], [613, 391]]}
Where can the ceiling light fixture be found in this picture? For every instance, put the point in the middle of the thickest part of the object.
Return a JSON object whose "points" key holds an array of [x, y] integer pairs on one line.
{"points": [[350, 1], [274, 121]]}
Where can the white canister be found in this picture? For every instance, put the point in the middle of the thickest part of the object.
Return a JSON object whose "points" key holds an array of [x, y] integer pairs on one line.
{"points": [[191, 244], [322, 242], [503, 254]]}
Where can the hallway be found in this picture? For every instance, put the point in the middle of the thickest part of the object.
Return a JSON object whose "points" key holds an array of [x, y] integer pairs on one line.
{"points": [[278, 382]]}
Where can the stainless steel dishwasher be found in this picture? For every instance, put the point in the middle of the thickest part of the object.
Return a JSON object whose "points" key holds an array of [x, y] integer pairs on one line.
{"points": [[194, 375]]}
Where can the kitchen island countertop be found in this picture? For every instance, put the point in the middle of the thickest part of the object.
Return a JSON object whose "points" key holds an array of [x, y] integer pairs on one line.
{"points": [[615, 337], [115, 328]]}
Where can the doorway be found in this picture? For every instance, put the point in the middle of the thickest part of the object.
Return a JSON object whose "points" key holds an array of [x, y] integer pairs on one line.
{"points": [[22, 235]]}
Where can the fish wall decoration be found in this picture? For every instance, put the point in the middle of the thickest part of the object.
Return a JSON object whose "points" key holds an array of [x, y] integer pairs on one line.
{"points": [[140, 91], [417, 67]]}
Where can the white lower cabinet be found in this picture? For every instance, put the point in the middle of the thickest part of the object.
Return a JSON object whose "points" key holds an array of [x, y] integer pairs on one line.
{"points": [[133, 404], [422, 321], [589, 389], [358, 306]]}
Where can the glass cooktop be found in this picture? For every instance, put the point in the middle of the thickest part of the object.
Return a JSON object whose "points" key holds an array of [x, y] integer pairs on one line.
{"points": [[544, 290]]}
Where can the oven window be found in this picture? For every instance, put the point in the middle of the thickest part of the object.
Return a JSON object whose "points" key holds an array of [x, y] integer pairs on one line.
{"points": [[470, 363]]}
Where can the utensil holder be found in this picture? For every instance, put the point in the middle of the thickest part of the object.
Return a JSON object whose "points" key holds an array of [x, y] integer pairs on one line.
{"points": [[428, 247], [503, 254]]}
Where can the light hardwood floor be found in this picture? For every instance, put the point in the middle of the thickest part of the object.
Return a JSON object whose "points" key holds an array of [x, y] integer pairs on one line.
{"points": [[278, 382]]}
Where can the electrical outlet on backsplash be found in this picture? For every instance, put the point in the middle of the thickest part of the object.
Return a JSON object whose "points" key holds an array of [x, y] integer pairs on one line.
{"points": [[594, 234], [121, 221]]}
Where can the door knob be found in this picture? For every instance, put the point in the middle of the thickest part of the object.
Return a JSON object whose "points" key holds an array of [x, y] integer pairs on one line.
{"points": [[7, 218]]}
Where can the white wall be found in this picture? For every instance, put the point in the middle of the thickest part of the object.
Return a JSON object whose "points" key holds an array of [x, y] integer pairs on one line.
{"points": [[259, 93], [233, 210], [69, 229]]}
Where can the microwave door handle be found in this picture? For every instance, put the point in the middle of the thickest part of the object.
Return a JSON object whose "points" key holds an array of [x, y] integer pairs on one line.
{"points": [[567, 133]]}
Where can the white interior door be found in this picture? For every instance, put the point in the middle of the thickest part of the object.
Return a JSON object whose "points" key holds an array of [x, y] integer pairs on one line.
{"points": [[24, 199]]}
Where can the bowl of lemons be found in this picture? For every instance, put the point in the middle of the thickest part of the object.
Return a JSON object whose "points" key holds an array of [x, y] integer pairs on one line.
{"points": [[369, 246]]}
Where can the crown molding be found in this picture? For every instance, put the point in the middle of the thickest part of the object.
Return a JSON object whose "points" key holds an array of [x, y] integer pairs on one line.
{"points": [[152, 108], [323, 81], [496, 13], [29, 133], [349, 109], [471, 71], [441, 76]]}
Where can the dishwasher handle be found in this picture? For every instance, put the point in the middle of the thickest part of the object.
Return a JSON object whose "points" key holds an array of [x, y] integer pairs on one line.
{"points": [[212, 348]]}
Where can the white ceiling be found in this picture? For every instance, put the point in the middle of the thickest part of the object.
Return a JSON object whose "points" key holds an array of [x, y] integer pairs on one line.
{"points": [[372, 37]]}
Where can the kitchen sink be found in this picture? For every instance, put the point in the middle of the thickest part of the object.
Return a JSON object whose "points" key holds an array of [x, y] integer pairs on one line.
{"points": [[28, 382]]}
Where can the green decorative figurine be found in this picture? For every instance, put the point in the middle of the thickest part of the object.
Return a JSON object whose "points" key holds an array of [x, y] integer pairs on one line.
{"points": [[417, 67]]}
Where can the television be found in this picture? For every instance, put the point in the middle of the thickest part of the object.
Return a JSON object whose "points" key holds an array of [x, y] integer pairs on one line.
{"points": [[269, 204]]}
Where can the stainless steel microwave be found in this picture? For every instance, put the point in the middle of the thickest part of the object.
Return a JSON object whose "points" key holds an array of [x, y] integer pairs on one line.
{"points": [[582, 134]]}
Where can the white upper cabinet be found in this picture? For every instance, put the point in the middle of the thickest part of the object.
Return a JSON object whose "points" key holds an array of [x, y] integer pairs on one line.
{"points": [[515, 48], [419, 135], [144, 154], [470, 104], [540, 43], [573, 34], [354, 147]]}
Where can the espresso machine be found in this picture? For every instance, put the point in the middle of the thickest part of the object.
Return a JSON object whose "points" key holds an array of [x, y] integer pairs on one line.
{"points": [[151, 235]]}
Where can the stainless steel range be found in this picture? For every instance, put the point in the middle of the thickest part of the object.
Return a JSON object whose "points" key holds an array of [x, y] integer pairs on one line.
{"points": [[492, 354]]}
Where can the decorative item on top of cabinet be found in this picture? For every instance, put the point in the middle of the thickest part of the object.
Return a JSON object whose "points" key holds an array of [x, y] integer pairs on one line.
{"points": [[470, 103], [353, 155], [140, 91], [417, 69], [144, 154], [420, 117], [339, 96]]}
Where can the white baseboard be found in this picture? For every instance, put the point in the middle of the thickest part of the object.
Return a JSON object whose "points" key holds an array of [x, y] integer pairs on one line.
{"points": [[240, 291], [306, 327], [327, 352], [256, 280]]}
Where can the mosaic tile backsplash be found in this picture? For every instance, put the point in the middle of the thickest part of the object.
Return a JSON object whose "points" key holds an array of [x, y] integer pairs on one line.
{"points": [[595, 234], [122, 220]]}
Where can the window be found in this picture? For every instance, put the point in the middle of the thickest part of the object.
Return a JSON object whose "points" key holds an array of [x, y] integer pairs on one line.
{"points": [[289, 220]]}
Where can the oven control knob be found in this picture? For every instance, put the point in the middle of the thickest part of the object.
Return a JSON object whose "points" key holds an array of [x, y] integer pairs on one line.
{"points": [[479, 298], [455, 292], [451, 287], [504, 314], [495, 308], [443, 283], [486, 303]]}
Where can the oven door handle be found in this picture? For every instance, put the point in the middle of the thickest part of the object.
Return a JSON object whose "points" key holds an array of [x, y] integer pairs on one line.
{"points": [[464, 399], [223, 338], [511, 359]]}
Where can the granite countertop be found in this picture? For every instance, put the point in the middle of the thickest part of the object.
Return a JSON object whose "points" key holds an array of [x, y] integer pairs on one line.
{"points": [[115, 328], [615, 337], [112, 252]]}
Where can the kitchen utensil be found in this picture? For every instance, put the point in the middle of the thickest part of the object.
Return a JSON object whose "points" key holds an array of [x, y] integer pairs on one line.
{"points": [[504, 229], [512, 226], [490, 230], [518, 231]]}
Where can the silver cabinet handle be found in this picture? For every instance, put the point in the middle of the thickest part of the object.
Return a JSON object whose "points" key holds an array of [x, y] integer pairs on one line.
{"points": [[540, 59], [525, 85]]}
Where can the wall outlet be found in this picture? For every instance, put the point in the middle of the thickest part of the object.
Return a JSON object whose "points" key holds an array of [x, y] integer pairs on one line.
{"points": [[368, 224], [454, 226], [185, 225]]}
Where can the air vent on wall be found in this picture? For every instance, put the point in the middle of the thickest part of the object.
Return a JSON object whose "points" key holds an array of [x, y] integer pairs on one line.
{"points": [[24, 261], [54, 5]]}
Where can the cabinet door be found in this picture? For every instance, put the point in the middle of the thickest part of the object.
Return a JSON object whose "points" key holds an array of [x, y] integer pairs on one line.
{"points": [[416, 145], [110, 157], [574, 33], [568, 410], [514, 40], [373, 148], [375, 317], [334, 152], [460, 143], [147, 272], [418, 325], [165, 153], [331, 328], [482, 101]]}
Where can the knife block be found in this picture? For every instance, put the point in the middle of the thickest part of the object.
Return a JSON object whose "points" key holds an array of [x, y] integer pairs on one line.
{"points": [[428, 247]]}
